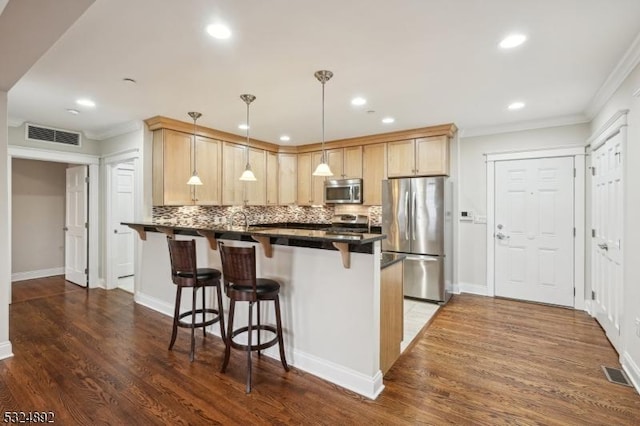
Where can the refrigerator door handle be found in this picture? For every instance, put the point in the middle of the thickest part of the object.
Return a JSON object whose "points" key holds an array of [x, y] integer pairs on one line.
{"points": [[406, 216], [413, 213]]}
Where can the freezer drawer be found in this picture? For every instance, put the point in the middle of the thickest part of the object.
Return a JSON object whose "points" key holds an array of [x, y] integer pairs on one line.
{"points": [[424, 277]]}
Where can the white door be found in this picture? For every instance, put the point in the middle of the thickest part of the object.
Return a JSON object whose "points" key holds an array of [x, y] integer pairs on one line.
{"points": [[607, 236], [75, 242], [534, 230], [123, 212]]}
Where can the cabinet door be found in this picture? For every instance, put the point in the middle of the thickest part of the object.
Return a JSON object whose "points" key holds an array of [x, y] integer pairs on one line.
{"points": [[432, 156], [208, 157], [272, 178], [256, 192], [373, 172], [233, 160], [287, 178], [335, 161], [400, 158], [304, 179], [317, 182], [352, 164], [177, 168]]}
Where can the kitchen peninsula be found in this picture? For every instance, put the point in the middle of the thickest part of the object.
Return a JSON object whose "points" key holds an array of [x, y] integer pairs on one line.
{"points": [[330, 294]]}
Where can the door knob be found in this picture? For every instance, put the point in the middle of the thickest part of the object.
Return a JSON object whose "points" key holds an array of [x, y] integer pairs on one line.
{"points": [[501, 236], [115, 231], [603, 246]]}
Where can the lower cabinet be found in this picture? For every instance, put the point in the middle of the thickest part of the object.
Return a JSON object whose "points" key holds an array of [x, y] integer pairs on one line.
{"points": [[391, 314]]}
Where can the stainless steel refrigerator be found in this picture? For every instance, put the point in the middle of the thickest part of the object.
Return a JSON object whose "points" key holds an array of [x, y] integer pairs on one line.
{"points": [[416, 217]]}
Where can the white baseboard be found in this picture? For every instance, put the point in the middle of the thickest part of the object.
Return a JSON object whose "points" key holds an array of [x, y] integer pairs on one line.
{"points": [[5, 350], [588, 307], [631, 368], [369, 387], [40, 273], [478, 289], [154, 303]]}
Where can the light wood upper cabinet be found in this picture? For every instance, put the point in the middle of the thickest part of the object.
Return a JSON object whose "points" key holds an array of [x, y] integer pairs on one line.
{"points": [[172, 167], [432, 156], [373, 172], [272, 178], [233, 166], [256, 192], [208, 162], [310, 188], [287, 178], [418, 157], [345, 163]]}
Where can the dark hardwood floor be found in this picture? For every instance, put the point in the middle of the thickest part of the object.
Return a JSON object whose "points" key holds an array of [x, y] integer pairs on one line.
{"points": [[98, 358]]}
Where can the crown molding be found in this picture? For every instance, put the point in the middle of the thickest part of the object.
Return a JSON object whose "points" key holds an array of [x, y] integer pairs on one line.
{"points": [[627, 64], [120, 129], [524, 125]]}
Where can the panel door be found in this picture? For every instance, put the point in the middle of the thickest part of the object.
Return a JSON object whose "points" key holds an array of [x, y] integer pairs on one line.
{"points": [[208, 162], [177, 166], [317, 182], [76, 238], [287, 178], [124, 187], [432, 156], [373, 173], [234, 160], [256, 192], [304, 179], [607, 243], [534, 230], [352, 166], [335, 159], [272, 178], [400, 158]]}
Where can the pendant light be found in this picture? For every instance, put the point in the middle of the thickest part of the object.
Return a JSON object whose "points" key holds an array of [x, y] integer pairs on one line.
{"points": [[194, 179], [323, 168], [248, 175]]}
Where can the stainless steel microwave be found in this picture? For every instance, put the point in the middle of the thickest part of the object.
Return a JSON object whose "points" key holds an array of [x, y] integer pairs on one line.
{"points": [[343, 191]]}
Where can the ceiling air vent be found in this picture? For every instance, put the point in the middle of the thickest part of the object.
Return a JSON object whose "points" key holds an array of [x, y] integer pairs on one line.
{"points": [[47, 134]]}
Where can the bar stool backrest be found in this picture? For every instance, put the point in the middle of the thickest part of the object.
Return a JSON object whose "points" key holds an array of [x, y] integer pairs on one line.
{"points": [[238, 266], [183, 262]]}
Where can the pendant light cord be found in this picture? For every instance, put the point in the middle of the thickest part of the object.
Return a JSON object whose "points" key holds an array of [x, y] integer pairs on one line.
{"points": [[247, 145]]}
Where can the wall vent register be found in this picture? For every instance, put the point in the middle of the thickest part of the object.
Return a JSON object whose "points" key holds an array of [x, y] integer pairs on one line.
{"points": [[48, 134]]}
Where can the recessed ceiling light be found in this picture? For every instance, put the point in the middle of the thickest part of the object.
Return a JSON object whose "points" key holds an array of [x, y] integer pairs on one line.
{"points": [[285, 138], [358, 101], [513, 40], [73, 111], [219, 31], [86, 102], [516, 105], [243, 126], [388, 120]]}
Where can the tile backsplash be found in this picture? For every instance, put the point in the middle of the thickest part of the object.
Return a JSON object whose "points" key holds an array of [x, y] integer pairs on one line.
{"points": [[217, 215]]}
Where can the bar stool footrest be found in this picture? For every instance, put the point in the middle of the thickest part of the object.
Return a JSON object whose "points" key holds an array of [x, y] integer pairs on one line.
{"points": [[185, 324], [261, 346]]}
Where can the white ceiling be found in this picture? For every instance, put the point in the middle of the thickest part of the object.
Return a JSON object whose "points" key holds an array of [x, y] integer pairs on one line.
{"points": [[424, 62]]}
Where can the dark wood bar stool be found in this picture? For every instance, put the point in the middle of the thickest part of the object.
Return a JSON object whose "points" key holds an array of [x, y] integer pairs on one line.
{"points": [[242, 285], [185, 273]]}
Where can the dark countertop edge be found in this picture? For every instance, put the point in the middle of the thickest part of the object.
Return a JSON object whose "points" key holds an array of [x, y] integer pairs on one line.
{"points": [[367, 238], [388, 259]]}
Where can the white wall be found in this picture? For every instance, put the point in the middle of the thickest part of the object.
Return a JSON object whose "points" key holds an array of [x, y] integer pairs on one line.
{"points": [[624, 99], [5, 235], [87, 146], [472, 256], [38, 215]]}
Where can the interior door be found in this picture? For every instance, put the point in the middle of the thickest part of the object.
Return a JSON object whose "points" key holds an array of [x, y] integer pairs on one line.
{"points": [[606, 247], [124, 238], [534, 230], [76, 239]]}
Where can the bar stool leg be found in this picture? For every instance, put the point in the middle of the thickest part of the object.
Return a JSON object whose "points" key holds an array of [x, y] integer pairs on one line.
{"points": [[221, 314], [176, 314], [204, 306], [248, 388], [227, 341], [276, 301], [193, 323], [259, 351]]}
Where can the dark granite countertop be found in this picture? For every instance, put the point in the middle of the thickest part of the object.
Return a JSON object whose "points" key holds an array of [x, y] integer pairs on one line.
{"points": [[388, 259], [315, 238]]}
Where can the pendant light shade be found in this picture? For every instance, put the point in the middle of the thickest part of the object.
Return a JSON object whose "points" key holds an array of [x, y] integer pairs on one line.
{"points": [[248, 175], [194, 179], [323, 168]]}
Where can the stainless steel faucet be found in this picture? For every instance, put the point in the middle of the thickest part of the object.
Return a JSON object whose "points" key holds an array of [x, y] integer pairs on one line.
{"points": [[233, 215]]}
